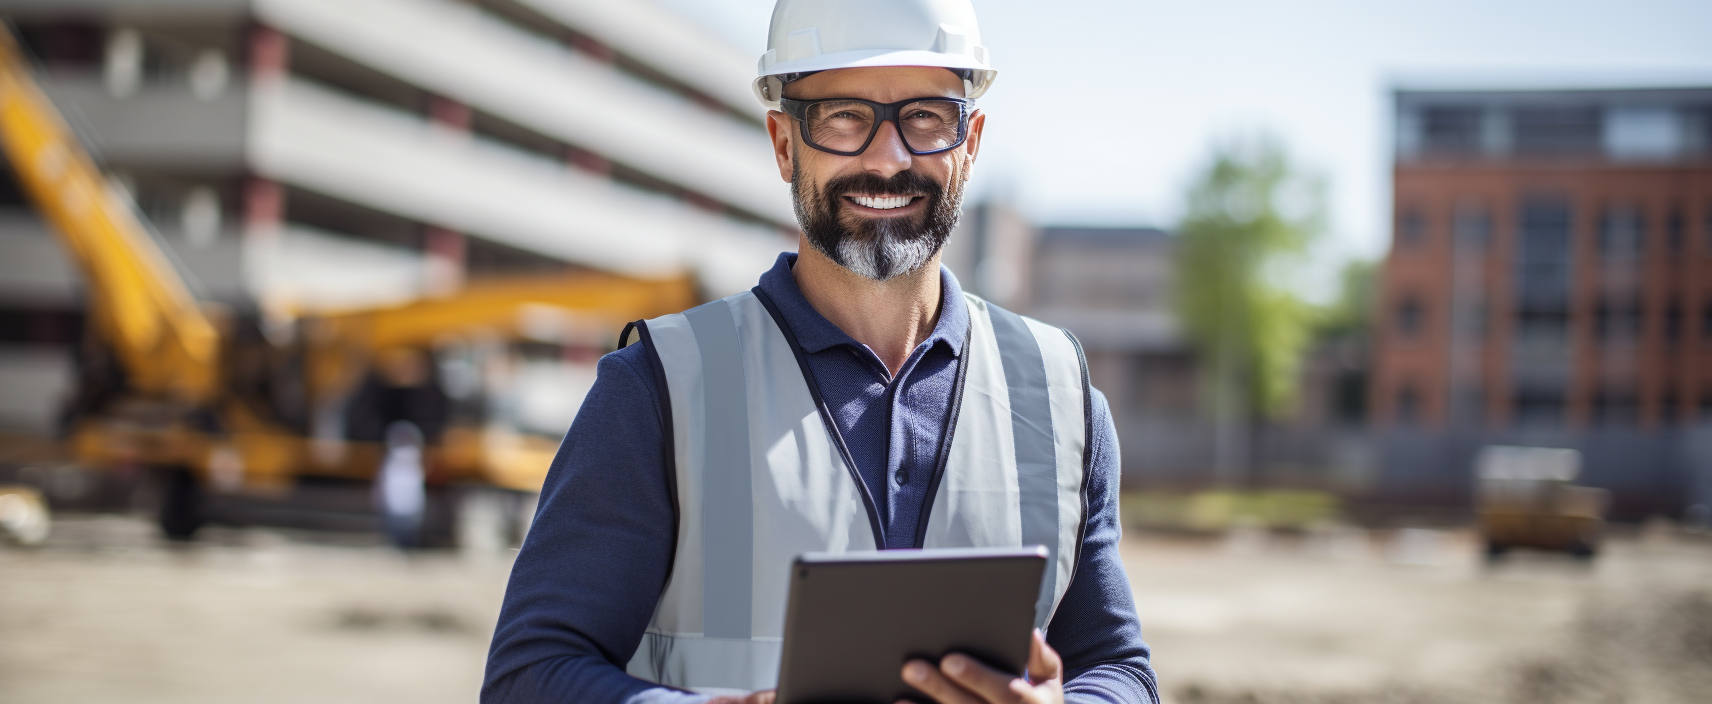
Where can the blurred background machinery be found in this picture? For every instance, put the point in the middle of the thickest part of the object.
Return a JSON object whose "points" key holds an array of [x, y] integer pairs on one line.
{"points": [[1527, 499], [352, 226]]}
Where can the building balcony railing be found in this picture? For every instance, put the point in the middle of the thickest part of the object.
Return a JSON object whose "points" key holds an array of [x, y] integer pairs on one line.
{"points": [[456, 51], [162, 126], [318, 140], [663, 40]]}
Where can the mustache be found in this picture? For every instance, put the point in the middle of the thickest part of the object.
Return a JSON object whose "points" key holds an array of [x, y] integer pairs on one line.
{"points": [[877, 248], [900, 183]]}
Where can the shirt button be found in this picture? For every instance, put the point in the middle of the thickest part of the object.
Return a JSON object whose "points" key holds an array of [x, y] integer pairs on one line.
{"points": [[903, 476]]}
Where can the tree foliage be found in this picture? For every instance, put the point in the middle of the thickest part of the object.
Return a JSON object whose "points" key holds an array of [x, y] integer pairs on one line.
{"points": [[1251, 216], [1352, 311]]}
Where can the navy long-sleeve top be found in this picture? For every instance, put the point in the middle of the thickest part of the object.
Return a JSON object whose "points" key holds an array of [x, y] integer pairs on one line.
{"points": [[595, 561]]}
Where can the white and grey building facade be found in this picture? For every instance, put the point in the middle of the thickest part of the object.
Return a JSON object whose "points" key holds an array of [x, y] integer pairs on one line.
{"points": [[338, 153]]}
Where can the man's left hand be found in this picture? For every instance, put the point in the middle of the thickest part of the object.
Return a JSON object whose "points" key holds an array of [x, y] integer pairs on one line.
{"points": [[960, 679]]}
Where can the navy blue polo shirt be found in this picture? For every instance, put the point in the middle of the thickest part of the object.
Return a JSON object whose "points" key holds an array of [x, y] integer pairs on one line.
{"points": [[594, 564]]}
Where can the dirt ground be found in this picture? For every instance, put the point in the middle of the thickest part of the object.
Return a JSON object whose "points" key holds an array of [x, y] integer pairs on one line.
{"points": [[1416, 616], [105, 612]]}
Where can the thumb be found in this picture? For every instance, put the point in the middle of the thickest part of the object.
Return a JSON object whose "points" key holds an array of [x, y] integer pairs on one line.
{"points": [[1043, 661]]}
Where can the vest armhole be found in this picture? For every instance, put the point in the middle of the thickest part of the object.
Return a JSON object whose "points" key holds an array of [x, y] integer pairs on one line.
{"points": [[667, 432], [1087, 450]]}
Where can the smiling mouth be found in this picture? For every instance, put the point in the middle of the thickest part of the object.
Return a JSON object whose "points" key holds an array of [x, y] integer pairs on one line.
{"points": [[882, 202]]}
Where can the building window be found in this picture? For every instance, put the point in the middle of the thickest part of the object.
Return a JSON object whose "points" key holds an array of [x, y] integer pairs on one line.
{"points": [[1543, 332], [11, 194], [1673, 324], [1706, 322], [1412, 227], [1472, 226], [1706, 230], [1544, 255], [1451, 130], [1539, 409], [1410, 318], [73, 45], [1557, 131], [1618, 321], [1349, 396], [1621, 232]]}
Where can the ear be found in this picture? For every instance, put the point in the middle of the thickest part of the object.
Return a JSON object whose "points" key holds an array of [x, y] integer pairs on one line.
{"points": [[779, 129], [977, 123]]}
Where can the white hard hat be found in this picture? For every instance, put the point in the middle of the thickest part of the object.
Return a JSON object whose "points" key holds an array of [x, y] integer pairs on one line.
{"points": [[819, 35]]}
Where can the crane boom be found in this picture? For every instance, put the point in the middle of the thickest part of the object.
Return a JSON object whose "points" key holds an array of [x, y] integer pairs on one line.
{"points": [[138, 303]]}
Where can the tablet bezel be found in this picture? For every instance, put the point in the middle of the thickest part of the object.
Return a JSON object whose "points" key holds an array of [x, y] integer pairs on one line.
{"points": [[895, 567]]}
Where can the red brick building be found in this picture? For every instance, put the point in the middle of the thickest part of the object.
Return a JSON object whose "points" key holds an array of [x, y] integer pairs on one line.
{"points": [[1551, 266]]}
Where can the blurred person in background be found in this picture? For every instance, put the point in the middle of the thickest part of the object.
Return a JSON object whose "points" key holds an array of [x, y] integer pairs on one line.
{"points": [[855, 399], [400, 492], [402, 387], [400, 405]]}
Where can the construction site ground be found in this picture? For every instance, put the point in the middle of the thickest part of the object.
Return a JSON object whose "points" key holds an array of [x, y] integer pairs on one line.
{"points": [[105, 612]]}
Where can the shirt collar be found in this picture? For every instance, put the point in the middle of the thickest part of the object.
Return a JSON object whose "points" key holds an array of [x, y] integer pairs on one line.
{"points": [[815, 333]]}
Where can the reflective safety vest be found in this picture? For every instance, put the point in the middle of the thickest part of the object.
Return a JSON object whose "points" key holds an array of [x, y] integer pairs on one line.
{"points": [[762, 476]]}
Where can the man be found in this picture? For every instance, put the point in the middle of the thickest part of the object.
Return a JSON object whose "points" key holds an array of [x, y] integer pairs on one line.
{"points": [[854, 400]]}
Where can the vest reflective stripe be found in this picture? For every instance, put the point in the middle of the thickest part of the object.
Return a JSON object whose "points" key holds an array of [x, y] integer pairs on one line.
{"points": [[727, 505], [761, 480], [996, 452], [1032, 432]]}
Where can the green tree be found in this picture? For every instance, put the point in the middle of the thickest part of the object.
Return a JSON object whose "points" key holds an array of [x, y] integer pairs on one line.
{"points": [[1251, 217], [1351, 312]]}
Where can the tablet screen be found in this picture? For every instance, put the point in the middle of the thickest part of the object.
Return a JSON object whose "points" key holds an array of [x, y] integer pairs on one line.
{"points": [[852, 620]]}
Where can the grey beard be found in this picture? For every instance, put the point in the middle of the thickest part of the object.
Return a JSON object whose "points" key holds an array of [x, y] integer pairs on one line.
{"points": [[884, 257], [879, 250]]}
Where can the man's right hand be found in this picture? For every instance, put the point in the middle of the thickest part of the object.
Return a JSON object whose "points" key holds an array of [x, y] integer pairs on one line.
{"points": [[761, 697]]}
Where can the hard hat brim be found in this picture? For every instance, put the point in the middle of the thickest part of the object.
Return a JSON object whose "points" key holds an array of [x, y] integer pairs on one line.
{"points": [[982, 75], [876, 57]]}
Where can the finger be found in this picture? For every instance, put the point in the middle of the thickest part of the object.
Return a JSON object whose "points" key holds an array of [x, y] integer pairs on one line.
{"points": [[927, 678], [1043, 662], [991, 684], [762, 697]]}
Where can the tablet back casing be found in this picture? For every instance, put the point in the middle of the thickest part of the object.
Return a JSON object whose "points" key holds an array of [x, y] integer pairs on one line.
{"points": [[852, 621]]}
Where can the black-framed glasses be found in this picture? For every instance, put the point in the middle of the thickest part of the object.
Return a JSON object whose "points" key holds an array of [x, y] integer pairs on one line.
{"points": [[845, 126]]}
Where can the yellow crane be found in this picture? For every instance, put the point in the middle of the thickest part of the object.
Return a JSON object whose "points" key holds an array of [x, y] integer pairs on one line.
{"points": [[185, 403]]}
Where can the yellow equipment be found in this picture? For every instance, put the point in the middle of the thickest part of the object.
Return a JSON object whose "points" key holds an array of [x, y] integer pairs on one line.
{"points": [[189, 401], [1525, 499], [164, 339]]}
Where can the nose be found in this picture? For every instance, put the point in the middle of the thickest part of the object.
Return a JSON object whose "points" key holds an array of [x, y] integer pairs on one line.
{"points": [[887, 155]]}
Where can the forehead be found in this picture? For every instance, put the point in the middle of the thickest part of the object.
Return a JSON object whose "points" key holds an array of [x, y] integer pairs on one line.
{"points": [[881, 84]]}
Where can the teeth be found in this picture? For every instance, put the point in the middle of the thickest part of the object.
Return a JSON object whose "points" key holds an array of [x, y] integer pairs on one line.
{"points": [[881, 203]]}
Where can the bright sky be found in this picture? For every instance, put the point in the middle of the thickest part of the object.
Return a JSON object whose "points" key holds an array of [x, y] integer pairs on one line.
{"points": [[1104, 109]]}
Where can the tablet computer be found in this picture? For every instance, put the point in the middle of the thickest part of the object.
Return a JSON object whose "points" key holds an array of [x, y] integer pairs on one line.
{"points": [[853, 620]]}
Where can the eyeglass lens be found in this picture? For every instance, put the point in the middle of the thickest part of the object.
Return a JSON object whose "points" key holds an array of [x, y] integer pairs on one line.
{"points": [[844, 126]]}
